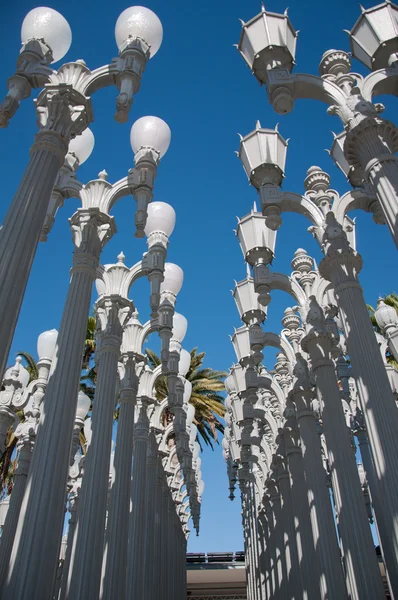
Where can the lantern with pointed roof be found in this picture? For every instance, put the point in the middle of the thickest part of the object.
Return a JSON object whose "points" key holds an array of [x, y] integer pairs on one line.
{"points": [[246, 299], [263, 156], [257, 241], [268, 41], [374, 37], [241, 343]]}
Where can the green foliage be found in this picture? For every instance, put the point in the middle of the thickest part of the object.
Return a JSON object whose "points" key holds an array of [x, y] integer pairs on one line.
{"points": [[206, 397]]}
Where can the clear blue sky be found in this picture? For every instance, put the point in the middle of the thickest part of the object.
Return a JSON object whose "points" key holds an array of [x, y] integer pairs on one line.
{"points": [[199, 84]]}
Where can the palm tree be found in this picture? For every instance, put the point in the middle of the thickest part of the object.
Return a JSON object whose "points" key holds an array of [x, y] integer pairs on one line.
{"points": [[391, 300], [206, 398]]}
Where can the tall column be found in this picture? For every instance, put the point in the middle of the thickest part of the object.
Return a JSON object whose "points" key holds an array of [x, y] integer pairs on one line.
{"points": [[361, 564], [254, 543], [318, 538], [280, 564], [137, 521], [271, 550], [25, 217], [341, 266], [152, 520], [85, 575], [370, 146], [156, 566], [34, 557], [164, 571], [119, 507], [70, 547], [310, 568], [296, 580], [263, 535], [24, 449]]}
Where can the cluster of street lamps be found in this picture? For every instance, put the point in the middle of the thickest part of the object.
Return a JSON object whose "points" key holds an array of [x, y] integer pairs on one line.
{"points": [[129, 509], [293, 435]]}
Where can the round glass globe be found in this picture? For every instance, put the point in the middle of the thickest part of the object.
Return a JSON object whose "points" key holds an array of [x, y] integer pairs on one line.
{"points": [[48, 24], [180, 326], [173, 279], [198, 463], [196, 450], [83, 405], [141, 22], [190, 414], [193, 433], [187, 391], [184, 362], [82, 145], [23, 373], [201, 487], [150, 132], [46, 343], [161, 217], [88, 432], [100, 287]]}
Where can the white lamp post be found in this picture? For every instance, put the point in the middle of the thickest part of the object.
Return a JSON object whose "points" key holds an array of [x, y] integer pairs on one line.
{"points": [[169, 288], [267, 41], [263, 156], [64, 111], [371, 142], [374, 37], [30, 400], [150, 138]]}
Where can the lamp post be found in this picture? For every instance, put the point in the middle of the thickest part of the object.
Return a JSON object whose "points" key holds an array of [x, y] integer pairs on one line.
{"points": [[31, 401], [113, 310], [64, 111], [268, 44], [335, 233], [119, 505], [92, 226]]}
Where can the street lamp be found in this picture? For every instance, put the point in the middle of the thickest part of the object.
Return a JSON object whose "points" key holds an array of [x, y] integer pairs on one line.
{"points": [[371, 142], [374, 37], [267, 41]]}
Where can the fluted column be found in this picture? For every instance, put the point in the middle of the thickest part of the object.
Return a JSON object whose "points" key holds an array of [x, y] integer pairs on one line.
{"points": [[361, 564], [119, 508], [254, 543], [24, 220], [341, 266], [310, 569], [70, 547], [152, 520], [280, 564], [164, 573], [264, 559], [318, 538], [371, 146], [34, 558], [137, 521], [296, 582], [24, 447], [85, 575], [156, 565], [271, 551]]}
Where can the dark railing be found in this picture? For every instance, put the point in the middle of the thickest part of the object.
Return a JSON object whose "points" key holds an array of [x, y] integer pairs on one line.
{"points": [[215, 557]]}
